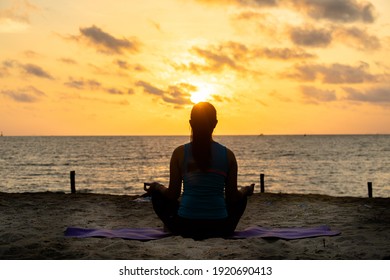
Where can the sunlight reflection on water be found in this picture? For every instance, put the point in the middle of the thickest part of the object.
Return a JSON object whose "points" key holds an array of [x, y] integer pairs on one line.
{"points": [[336, 165]]}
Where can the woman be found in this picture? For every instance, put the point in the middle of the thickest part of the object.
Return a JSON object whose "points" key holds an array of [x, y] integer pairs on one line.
{"points": [[211, 204]]}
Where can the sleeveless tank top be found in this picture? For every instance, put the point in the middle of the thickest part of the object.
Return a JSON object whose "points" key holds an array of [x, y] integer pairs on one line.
{"points": [[204, 191]]}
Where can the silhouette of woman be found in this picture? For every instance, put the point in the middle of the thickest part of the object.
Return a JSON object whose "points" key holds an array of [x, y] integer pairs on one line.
{"points": [[211, 204]]}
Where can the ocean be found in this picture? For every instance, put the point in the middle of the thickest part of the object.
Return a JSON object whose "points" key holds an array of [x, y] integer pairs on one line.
{"points": [[336, 165]]}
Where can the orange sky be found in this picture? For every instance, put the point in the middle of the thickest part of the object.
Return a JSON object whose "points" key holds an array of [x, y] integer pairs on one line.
{"points": [[274, 67]]}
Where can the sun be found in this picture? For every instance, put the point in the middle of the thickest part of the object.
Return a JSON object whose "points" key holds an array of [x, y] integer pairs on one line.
{"points": [[203, 92], [199, 96]]}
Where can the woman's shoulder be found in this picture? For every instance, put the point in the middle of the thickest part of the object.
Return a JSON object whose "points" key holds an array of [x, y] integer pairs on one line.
{"points": [[223, 147], [230, 156], [230, 152], [178, 155], [178, 151]]}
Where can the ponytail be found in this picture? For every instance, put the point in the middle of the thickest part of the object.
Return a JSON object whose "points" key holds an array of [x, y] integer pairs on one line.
{"points": [[203, 121]]}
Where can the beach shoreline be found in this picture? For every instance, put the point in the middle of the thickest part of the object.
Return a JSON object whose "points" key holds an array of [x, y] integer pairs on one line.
{"points": [[33, 226]]}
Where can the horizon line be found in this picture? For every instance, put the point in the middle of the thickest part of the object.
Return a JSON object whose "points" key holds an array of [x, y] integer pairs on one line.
{"points": [[184, 135]]}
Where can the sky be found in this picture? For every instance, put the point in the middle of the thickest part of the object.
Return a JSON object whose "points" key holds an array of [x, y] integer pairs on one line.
{"points": [[86, 67]]}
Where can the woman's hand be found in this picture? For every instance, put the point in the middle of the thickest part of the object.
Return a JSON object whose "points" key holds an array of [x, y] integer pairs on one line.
{"points": [[150, 188], [248, 190]]}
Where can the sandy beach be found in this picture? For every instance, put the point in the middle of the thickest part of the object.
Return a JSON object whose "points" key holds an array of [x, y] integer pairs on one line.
{"points": [[33, 225]]}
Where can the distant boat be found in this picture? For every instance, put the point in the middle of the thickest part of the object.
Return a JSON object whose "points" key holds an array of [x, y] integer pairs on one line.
{"points": [[1, 135]]}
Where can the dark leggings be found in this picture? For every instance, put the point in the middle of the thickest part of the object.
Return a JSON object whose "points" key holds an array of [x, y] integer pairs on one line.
{"points": [[167, 211]]}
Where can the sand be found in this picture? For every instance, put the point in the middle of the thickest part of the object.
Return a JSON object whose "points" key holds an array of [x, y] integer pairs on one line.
{"points": [[32, 227]]}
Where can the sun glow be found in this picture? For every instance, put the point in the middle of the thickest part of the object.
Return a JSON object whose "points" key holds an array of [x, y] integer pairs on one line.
{"points": [[204, 92]]}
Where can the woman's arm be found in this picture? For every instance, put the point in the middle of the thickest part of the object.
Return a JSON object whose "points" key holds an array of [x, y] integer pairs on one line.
{"points": [[175, 177], [231, 192], [175, 174]]}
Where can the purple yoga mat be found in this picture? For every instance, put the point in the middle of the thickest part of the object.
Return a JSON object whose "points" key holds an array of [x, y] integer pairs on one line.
{"points": [[124, 233], [285, 233], [144, 234]]}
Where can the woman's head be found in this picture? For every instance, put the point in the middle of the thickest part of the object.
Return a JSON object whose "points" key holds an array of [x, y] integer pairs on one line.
{"points": [[203, 121], [203, 117]]}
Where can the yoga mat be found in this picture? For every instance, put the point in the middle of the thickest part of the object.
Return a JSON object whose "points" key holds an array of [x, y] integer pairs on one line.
{"points": [[144, 234], [124, 233], [285, 233]]}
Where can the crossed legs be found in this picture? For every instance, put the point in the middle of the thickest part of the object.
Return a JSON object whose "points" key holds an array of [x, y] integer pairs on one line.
{"points": [[167, 211]]}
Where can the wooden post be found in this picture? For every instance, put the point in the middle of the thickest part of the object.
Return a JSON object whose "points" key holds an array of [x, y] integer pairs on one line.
{"points": [[262, 183], [73, 181], [369, 185]]}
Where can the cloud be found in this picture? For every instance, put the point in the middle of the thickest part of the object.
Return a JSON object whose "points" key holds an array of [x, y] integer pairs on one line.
{"points": [[280, 96], [116, 91], [216, 59], [36, 70], [344, 11], [126, 66], [105, 42], [8, 25], [68, 60], [29, 69], [253, 3], [4, 69], [83, 84], [31, 54], [260, 3], [357, 38], [310, 37], [237, 57], [377, 95], [148, 88], [333, 74], [264, 23], [17, 17], [7, 66], [9, 63], [155, 25], [93, 85], [284, 53], [178, 94], [24, 95], [315, 95], [122, 64], [314, 34]]}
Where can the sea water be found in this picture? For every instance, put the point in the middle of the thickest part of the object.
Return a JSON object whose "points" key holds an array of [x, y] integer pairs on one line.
{"points": [[337, 165]]}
